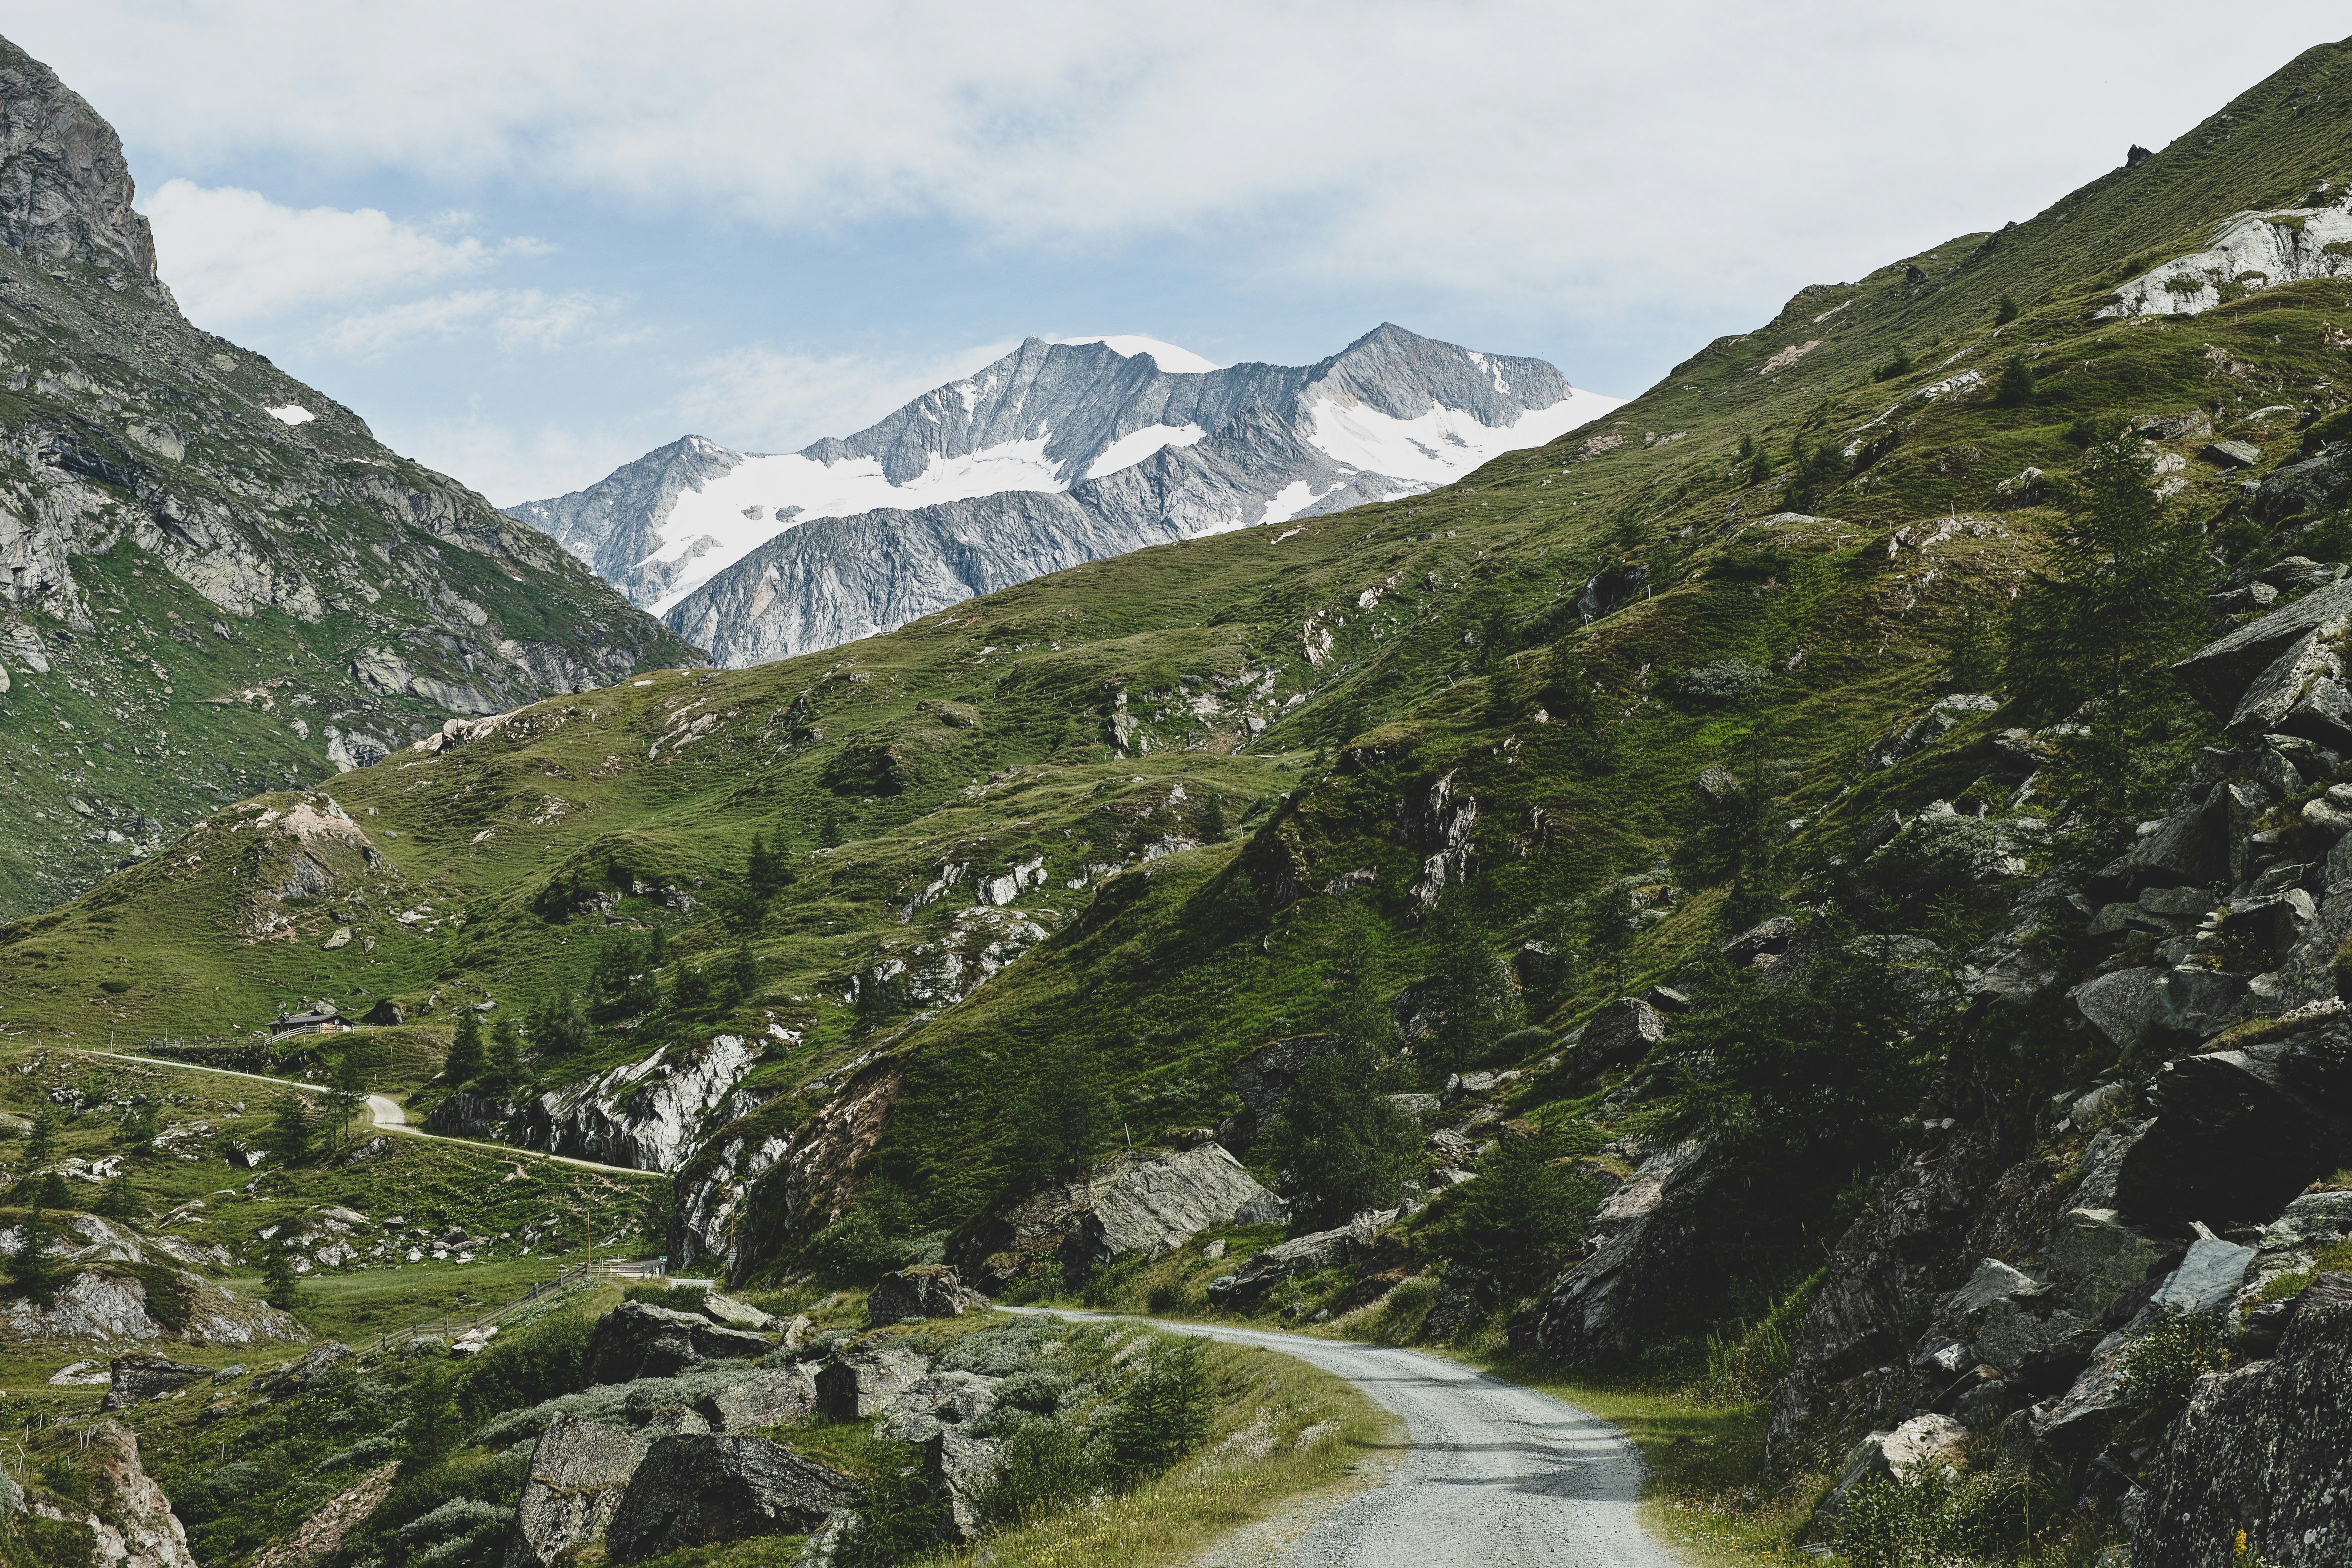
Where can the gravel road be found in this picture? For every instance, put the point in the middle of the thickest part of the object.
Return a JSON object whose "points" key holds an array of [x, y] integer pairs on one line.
{"points": [[1497, 1475]]}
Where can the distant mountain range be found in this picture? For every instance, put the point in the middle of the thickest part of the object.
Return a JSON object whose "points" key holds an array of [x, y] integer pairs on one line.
{"points": [[1058, 453]]}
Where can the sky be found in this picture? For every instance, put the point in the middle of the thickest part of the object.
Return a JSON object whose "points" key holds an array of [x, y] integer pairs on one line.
{"points": [[529, 242]]}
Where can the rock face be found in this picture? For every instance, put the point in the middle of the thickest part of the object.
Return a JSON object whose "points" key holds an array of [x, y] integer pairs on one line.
{"points": [[2261, 1450], [637, 1338], [2254, 250], [648, 1115], [139, 1378], [696, 1488], [244, 499], [925, 1290], [1131, 1204], [1056, 455], [578, 1472], [1646, 1255], [134, 1525]]}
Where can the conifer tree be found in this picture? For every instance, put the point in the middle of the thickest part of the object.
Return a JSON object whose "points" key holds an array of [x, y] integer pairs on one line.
{"points": [[2015, 389], [502, 1072], [1339, 1144], [1470, 987], [1064, 1115], [293, 1133], [116, 1200], [280, 1286], [32, 1267], [464, 1064]]}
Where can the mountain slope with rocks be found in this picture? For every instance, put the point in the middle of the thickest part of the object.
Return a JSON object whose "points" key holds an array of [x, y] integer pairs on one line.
{"points": [[214, 579], [1825, 892], [1056, 455]]}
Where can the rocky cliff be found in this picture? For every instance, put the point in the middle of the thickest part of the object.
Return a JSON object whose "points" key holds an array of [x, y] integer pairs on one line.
{"points": [[211, 577]]}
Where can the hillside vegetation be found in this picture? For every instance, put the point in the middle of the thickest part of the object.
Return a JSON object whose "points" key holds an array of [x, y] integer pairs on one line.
{"points": [[1438, 780]]}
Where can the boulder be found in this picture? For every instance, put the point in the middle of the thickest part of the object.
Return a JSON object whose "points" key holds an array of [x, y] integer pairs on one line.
{"points": [[1300, 1255], [2261, 1450], [1772, 936], [862, 1379], [1649, 1264], [2237, 1134], [2311, 485], [1262, 1079], [1920, 1445], [2220, 672], [957, 1471], [698, 1488], [1151, 1207], [737, 1314], [637, 1338], [1620, 1035], [764, 1398], [925, 1290], [579, 1471], [2302, 692], [139, 1378], [2189, 849], [2155, 1011], [324, 1358], [919, 1412], [2231, 454]]}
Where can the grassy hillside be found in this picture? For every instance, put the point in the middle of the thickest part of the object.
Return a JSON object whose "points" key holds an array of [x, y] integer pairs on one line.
{"points": [[1329, 694]]}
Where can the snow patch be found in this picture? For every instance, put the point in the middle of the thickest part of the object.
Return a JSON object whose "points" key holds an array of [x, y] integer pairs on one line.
{"points": [[1167, 356], [1130, 450], [291, 414], [1440, 445]]}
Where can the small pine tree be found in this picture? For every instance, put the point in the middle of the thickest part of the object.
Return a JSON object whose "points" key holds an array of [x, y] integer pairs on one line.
{"points": [[464, 1064], [117, 1201], [502, 1071], [1213, 825], [1470, 986], [1747, 448], [51, 1192], [32, 1267], [743, 983], [1821, 468], [2006, 311], [767, 869], [1165, 1413], [1759, 471], [41, 1143], [293, 1133], [2016, 387], [1064, 1115], [345, 1101], [1339, 1144], [560, 1025], [280, 1286]]}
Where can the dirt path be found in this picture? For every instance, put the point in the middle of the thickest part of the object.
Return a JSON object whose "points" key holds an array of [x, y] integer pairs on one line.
{"points": [[1497, 1474], [385, 1111]]}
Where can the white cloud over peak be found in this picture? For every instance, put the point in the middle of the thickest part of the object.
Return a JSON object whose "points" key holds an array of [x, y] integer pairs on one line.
{"points": [[234, 255]]}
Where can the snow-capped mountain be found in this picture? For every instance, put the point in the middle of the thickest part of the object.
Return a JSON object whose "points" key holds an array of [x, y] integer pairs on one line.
{"points": [[1057, 454]]}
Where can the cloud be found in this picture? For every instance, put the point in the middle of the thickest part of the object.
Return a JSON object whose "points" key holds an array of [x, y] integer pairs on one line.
{"points": [[234, 256], [773, 400], [1511, 149], [513, 318]]}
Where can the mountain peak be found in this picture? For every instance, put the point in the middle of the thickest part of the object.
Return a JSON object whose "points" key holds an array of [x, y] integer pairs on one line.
{"points": [[65, 188]]}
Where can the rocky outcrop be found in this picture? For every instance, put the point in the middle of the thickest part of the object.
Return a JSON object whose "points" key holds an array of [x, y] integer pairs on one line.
{"points": [[1646, 1264], [134, 1524], [648, 1115], [136, 1379], [2260, 1451], [580, 1470], [801, 1187], [699, 1487], [925, 1290], [1263, 1078], [637, 1338], [1131, 1204], [1261, 1272], [324, 1530], [864, 1379], [133, 434]]}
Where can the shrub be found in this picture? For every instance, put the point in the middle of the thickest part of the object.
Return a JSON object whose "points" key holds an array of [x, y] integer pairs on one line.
{"points": [[2157, 1372], [1043, 1469], [2015, 389], [1398, 1319], [1163, 1413], [539, 1361], [2006, 311]]}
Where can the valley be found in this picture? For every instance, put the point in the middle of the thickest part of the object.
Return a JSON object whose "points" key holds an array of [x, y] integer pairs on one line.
{"points": [[1805, 917]]}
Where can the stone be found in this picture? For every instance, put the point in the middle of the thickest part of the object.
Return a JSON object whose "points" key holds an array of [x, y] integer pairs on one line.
{"points": [[137, 1379], [2189, 849], [2277, 773], [2096, 1258], [1772, 936], [323, 1532], [925, 1290], [1148, 1207], [737, 1314], [1621, 1034], [2261, 1449], [764, 1398], [580, 1470], [1649, 1259], [2302, 692], [1300, 1255], [2310, 485], [2236, 1135], [862, 1379], [637, 1338], [1923, 1444], [943, 1399], [2120, 1008], [2231, 455], [2207, 1276], [958, 1469], [2220, 672], [694, 1489]]}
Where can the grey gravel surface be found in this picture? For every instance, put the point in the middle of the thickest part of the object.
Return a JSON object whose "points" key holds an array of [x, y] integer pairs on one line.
{"points": [[1497, 1474]]}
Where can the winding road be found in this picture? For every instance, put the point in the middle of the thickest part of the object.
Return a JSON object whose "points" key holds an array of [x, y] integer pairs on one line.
{"points": [[1497, 1474]]}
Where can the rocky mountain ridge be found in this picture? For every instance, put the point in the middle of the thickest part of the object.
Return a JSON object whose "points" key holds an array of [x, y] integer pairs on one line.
{"points": [[1056, 455], [209, 564]]}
